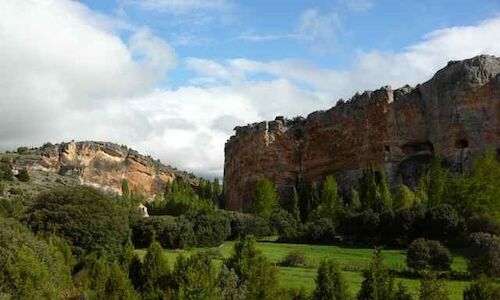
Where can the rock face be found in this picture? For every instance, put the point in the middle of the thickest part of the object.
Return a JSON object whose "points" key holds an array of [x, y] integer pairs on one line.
{"points": [[102, 165], [455, 114]]}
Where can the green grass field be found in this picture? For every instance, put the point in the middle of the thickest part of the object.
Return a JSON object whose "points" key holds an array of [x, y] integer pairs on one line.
{"points": [[353, 260]]}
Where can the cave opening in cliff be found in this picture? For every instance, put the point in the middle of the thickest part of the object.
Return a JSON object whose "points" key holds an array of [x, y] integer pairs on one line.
{"points": [[462, 144]]}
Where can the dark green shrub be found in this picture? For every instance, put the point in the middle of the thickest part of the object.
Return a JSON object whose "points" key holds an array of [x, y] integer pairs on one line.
{"points": [[320, 231], [378, 283], [483, 223], [170, 232], [23, 175], [6, 172], [32, 268], [427, 254], [254, 270], [195, 277], [483, 254], [330, 283], [442, 223], [482, 289], [211, 227], [22, 150], [431, 288], [90, 220], [247, 224], [284, 223], [295, 258]]}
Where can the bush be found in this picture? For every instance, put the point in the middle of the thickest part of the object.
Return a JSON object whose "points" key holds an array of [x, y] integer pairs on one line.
{"points": [[361, 227], [319, 231], [195, 277], [6, 172], [22, 150], [211, 227], [442, 223], [254, 270], [483, 254], [87, 218], [32, 268], [23, 175], [483, 223], [284, 223], [426, 254], [170, 232], [330, 283], [247, 224], [431, 288], [482, 289], [295, 258]]}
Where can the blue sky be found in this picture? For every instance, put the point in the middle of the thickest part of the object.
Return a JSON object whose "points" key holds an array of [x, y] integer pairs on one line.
{"points": [[172, 78], [268, 30]]}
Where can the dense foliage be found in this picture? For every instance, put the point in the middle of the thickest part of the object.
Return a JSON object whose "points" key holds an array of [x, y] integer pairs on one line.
{"points": [[88, 219], [427, 254]]}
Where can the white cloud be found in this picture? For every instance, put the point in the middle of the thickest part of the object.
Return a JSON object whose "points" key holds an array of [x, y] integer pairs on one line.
{"points": [[180, 6], [66, 74], [319, 29]]}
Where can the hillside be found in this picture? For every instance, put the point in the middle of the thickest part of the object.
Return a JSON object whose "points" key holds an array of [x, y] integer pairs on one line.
{"points": [[100, 164]]}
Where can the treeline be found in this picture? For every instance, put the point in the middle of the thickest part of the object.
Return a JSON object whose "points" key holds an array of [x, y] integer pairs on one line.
{"points": [[442, 207]]}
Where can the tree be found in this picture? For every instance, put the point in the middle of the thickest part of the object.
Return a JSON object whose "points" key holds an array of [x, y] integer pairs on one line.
{"points": [[331, 203], [483, 254], [195, 277], [427, 254], [355, 204], [266, 199], [211, 227], [403, 198], [402, 293], [436, 184], [482, 289], [478, 192], [32, 267], [6, 171], [23, 175], [431, 288], [90, 220], [229, 287], [378, 283], [125, 190], [330, 283], [155, 273], [442, 223], [294, 204], [374, 191], [253, 270], [118, 285]]}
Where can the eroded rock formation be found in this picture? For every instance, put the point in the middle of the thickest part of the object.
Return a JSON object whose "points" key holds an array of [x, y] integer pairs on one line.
{"points": [[102, 165], [455, 114]]}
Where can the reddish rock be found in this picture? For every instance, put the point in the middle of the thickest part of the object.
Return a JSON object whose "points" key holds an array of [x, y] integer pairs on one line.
{"points": [[102, 165], [455, 114]]}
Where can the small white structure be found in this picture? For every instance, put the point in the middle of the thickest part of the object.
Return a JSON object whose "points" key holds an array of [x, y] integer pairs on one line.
{"points": [[143, 210]]}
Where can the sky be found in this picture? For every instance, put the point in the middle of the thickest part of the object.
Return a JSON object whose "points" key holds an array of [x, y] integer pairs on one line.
{"points": [[172, 78]]}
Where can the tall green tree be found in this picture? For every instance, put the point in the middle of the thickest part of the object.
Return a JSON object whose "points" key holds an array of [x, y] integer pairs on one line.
{"points": [[331, 203], [155, 273], [125, 190], [195, 277], [378, 283], [403, 198], [438, 176], [478, 192], [266, 198], [374, 191], [330, 283], [294, 204], [431, 288], [253, 270], [482, 288]]}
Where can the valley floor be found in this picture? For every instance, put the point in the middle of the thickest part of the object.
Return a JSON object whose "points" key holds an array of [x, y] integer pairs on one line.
{"points": [[352, 259]]}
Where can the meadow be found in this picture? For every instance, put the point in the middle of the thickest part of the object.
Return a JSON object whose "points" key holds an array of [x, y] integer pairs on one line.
{"points": [[352, 260]]}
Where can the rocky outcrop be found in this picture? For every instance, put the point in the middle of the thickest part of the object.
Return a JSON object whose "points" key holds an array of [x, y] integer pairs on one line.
{"points": [[102, 165], [455, 114]]}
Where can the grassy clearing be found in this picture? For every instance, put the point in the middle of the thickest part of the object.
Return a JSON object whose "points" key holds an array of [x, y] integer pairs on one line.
{"points": [[352, 259]]}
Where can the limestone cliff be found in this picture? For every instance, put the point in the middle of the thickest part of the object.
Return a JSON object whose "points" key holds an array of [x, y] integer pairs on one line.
{"points": [[456, 114], [102, 165]]}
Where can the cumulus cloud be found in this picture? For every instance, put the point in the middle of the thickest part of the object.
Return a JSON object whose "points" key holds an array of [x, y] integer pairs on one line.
{"points": [[65, 73]]}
